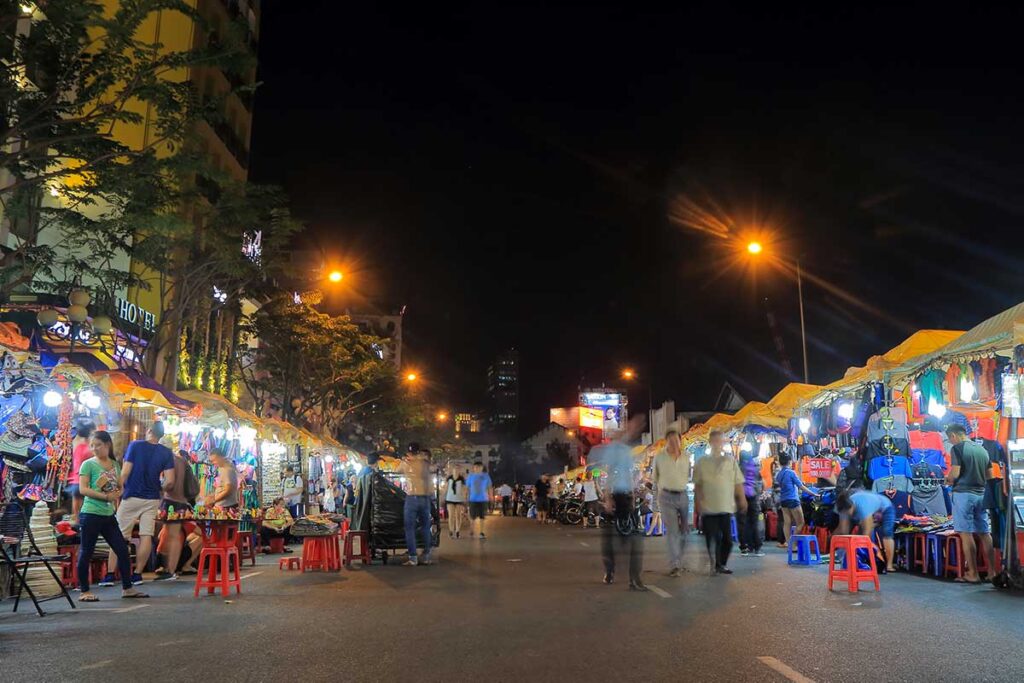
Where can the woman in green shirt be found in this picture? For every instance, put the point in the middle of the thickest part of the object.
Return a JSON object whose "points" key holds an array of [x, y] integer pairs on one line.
{"points": [[99, 484]]}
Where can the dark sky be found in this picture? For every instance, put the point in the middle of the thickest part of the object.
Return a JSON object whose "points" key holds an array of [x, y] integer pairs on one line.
{"points": [[511, 172]]}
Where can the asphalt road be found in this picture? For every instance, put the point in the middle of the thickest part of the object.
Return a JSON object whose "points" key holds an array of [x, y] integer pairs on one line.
{"points": [[528, 604]]}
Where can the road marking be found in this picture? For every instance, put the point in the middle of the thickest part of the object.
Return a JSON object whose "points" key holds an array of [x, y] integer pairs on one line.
{"points": [[584, 544], [243, 578], [784, 669], [167, 643], [119, 610], [514, 560], [659, 591], [97, 665]]}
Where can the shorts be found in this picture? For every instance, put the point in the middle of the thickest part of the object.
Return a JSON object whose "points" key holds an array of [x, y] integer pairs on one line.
{"points": [[888, 526], [593, 507], [542, 504], [790, 504], [141, 510], [969, 515], [477, 510]]}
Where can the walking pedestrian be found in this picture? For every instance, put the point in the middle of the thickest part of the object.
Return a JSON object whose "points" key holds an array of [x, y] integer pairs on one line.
{"points": [[455, 502], [505, 492], [540, 498], [753, 485], [481, 491], [80, 452], [671, 476], [616, 458], [147, 472], [718, 486], [789, 485], [591, 500], [99, 483], [416, 469], [517, 499]]}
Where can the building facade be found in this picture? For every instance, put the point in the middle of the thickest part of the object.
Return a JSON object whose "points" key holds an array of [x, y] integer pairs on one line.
{"points": [[503, 392]]}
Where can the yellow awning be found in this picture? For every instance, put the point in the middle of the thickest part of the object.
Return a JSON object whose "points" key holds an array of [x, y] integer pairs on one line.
{"points": [[218, 411]]}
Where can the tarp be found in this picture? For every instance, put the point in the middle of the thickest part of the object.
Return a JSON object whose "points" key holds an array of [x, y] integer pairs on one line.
{"points": [[791, 396], [998, 333], [116, 383], [218, 411], [757, 413], [718, 421]]}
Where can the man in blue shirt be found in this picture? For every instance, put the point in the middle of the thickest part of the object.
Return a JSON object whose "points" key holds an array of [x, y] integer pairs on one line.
{"points": [[616, 459], [481, 490], [147, 472], [860, 508]]}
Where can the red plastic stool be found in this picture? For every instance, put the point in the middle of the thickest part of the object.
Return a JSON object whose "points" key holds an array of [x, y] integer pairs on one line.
{"points": [[247, 546], [823, 536], [771, 524], [851, 574], [220, 545], [69, 567], [334, 552], [955, 559], [364, 548], [289, 563], [920, 557], [277, 545], [316, 553], [982, 562]]}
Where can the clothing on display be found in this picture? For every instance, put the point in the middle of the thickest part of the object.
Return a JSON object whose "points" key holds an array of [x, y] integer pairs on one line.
{"points": [[888, 466], [894, 483]]}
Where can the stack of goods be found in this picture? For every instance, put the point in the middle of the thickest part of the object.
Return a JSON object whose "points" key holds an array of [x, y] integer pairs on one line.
{"points": [[314, 525], [38, 578], [202, 512]]}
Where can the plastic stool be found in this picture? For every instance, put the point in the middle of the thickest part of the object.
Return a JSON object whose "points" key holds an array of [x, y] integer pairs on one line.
{"points": [[289, 563], [247, 546], [277, 545], [771, 525], [316, 553], [933, 547], [954, 557], [348, 555], [851, 573], [803, 543], [216, 564], [982, 562], [920, 556], [822, 534]]}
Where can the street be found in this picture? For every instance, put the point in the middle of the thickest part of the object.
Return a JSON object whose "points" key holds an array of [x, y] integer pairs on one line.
{"points": [[528, 603]]}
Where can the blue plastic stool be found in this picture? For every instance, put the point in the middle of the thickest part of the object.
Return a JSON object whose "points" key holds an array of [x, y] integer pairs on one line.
{"points": [[803, 544], [735, 531], [934, 550]]}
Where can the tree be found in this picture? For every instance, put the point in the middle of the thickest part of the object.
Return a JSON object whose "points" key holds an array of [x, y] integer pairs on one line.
{"points": [[317, 367], [72, 80]]}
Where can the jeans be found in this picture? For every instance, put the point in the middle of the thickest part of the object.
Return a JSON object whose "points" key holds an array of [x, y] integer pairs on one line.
{"points": [[92, 527], [505, 502], [417, 511], [675, 515], [718, 536], [750, 537], [623, 508]]}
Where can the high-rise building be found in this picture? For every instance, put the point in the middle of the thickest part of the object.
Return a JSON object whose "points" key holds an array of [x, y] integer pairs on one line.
{"points": [[503, 392]]}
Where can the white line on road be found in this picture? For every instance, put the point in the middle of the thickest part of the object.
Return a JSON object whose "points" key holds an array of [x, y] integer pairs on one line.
{"points": [[658, 591], [246, 576], [119, 610], [97, 665], [584, 544], [167, 643], [784, 669]]}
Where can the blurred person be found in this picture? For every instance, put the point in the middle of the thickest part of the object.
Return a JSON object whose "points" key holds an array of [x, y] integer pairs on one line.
{"points": [[616, 458], [505, 493], [971, 467], [555, 490], [790, 486], [99, 483], [718, 486], [194, 543], [481, 491], [540, 498], [277, 520], [172, 533], [416, 469], [455, 502], [671, 475], [749, 533], [80, 452], [591, 500], [147, 472], [517, 499], [652, 503], [226, 493], [860, 508]]}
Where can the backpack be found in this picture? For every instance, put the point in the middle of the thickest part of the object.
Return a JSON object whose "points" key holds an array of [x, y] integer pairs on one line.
{"points": [[191, 487]]}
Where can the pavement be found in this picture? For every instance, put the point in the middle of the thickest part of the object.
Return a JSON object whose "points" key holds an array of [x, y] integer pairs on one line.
{"points": [[528, 604]]}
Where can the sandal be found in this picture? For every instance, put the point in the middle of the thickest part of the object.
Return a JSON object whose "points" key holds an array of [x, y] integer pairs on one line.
{"points": [[88, 597], [134, 596]]}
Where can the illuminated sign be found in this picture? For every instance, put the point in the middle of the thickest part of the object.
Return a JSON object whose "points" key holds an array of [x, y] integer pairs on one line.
{"points": [[136, 315], [602, 399], [592, 418]]}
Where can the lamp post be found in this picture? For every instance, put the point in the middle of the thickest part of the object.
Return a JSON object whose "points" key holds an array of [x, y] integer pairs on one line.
{"points": [[77, 328], [755, 249], [629, 374]]}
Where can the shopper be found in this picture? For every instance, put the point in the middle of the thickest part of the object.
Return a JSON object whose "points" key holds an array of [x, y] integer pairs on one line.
{"points": [[276, 522], [99, 478], [616, 458], [671, 476], [718, 488], [790, 486], [175, 501], [651, 498], [540, 498], [970, 468], [749, 531], [146, 464], [225, 494], [455, 502], [416, 469], [860, 508], [481, 491], [591, 500], [80, 452], [505, 493]]}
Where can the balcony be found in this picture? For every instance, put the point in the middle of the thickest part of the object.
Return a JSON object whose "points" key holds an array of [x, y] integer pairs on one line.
{"points": [[232, 142]]}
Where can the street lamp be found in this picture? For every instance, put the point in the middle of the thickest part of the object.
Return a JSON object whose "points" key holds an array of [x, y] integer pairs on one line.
{"points": [[76, 327], [755, 248], [411, 377], [335, 276], [629, 374], [442, 416]]}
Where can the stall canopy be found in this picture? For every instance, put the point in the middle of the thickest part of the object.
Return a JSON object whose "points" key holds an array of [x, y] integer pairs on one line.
{"points": [[789, 398], [218, 411], [119, 383], [698, 434], [917, 345]]}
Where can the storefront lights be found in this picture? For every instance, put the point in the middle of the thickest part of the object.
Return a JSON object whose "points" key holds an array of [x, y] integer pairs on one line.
{"points": [[89, 399], [52, 399], [747, 447], [246, 437], [804, 424], [967, 392], [845, 411], [218, 433]]}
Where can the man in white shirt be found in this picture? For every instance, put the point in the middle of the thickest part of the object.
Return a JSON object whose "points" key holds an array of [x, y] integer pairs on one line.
{"points": [[718, 488], [591, 500], [671, 474], [505, 491]]}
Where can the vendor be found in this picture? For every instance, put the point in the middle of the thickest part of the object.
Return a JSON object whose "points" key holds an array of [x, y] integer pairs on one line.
{"points": [[860, 507], [291, 486], [276, 522], [226, 494]]}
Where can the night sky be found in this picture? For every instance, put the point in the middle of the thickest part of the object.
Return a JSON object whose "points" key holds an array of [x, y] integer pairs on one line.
{"points": [[515, 175]]}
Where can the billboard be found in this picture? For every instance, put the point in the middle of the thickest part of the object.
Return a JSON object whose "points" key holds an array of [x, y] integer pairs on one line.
{"points": [[612, 405], [592, 418]]}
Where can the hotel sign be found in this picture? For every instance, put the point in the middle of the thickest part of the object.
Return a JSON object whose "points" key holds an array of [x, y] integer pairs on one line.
{"points": [[128, 312]]}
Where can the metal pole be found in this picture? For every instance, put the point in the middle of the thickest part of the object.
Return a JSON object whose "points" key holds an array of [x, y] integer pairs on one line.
{"points": [[803, 329]]}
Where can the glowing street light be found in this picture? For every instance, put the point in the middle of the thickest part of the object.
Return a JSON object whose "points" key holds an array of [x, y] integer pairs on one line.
{"points": [[628, 374], [335, 276], [755, 248], [442, 416], [411, 377]]}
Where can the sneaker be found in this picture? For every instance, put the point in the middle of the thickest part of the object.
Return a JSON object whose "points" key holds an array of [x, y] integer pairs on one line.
{"points": [[411, 562], [759, 553], [676, 571], [638, 586], [425, 560], [451, 535], [137, 579], [483, 537], [609, 578], [163, 577], [723, 570], [456, 534], [108, 580], [744, 553]]}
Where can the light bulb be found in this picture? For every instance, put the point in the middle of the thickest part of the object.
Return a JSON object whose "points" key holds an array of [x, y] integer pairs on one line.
{"points": [[845, 411], [52, 399], [89, 399], [804, 424], [937, 409]]}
